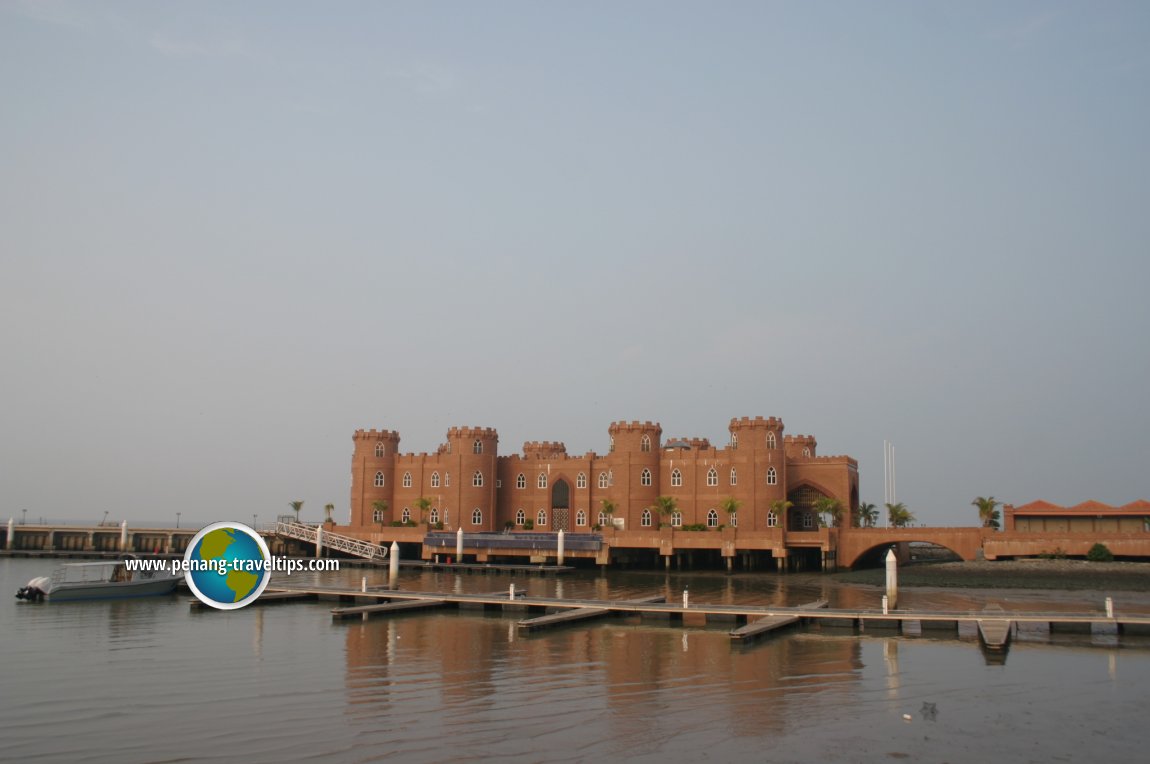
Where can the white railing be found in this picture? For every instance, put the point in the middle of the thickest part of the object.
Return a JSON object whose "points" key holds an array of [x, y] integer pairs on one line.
{"points": [[346, 544]]}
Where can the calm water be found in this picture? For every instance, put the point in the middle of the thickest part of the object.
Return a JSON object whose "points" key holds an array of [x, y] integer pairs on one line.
{"points": [[150, 680]]}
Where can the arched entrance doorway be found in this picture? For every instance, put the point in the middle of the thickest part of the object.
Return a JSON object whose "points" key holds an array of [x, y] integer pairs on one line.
{"points": [[803, 516], [561, 505]]}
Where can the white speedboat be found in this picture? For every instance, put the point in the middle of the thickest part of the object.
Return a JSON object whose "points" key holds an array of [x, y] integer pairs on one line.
{"points": [[98, 580]]}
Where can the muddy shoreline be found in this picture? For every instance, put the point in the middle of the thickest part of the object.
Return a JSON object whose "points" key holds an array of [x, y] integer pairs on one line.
{"points": [[1064, 575]]}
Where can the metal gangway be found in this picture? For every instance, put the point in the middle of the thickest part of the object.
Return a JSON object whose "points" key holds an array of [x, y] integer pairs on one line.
{"points": [[317, 535]]}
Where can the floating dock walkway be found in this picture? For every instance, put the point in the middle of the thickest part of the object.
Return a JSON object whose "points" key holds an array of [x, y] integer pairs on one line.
{"points": [[572, 615], [772, 623]]}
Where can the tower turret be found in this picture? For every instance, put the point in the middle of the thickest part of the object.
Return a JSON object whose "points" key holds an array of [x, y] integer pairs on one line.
{"points": [[756, 433], [372, 470], [634, 459], [473, 452]]}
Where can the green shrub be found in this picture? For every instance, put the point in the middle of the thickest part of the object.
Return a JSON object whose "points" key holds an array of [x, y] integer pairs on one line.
{"points": [[1099, 553], [528, 525]]}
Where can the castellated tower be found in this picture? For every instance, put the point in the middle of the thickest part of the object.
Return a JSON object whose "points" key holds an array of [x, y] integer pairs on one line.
{"points": [[754, 434], [372, 473], [472, 452], [800, 446], [634, 460]]}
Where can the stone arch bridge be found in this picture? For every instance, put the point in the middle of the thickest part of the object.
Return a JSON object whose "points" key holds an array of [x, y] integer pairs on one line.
{"points": [[853, 543]]}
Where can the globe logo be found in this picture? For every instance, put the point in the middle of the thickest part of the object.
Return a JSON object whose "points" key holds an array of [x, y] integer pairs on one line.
{"points": [[227, 565]]}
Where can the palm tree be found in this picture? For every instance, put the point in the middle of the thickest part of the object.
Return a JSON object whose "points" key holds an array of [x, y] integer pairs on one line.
{"points": [[327, 510], [780, 508], [296, 507], [423, 504], [608, 508], [867, 515], [665, 506], [731, 505], [898, 515], [831, 509], [988, 511], [380, 506]]}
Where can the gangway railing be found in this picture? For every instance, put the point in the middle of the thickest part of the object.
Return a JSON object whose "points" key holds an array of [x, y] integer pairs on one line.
{"points": [[346, 544]]}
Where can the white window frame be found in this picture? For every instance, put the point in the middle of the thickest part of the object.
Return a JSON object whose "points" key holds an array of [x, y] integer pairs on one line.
{"points": [[645, 444], [772, 476], [541, 518], [521, 481], [477, 516], [645, 518], [477, 447], [581, 519], [676, 478], [379, 449], [405, 517], [407, 480], [520, 517], [712, 518], [734, 476], [602, 479], [771, 440], [772, 519], [581, 480], [712, 477], [477, 479], [676, 519], [542, 480], [645, 477], [434, 479], [379, 480]]}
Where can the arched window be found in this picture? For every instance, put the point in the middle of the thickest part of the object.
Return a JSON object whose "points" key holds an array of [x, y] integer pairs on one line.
{"points": [[581, 519], [645, 443], [676, 478], [676, 519], [734, 519], [542, 482], [645, 478], [712, 477], [520, 517], [772, 476], [602, 519], [581, 480], [712, 518], [521, 481], [446, 479], [645, 520], [477, 447], [445, 518], [477, 479], [434, 479], [407, 480], [734, 477], [406, 515], [770, 440], [772, 519], [734, 440], [379, 449], [477, 516], [808, 521], [377, 516], [434, 517], [602, 479], [379, 480], [541, 518], [806, 452]]}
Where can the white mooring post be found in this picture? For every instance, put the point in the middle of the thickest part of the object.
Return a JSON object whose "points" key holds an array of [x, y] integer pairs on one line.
{"points": [[885, 605], [892, 579], [559, 556], [685, 598], [363, 584], [124, 536], [318, 541], [1109, 607], [393, 567], [11, 533], [511, 593], [459, 545]]}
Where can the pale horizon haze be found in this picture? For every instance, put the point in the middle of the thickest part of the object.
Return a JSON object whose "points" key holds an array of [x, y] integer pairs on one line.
{"points": [[232, 233]]}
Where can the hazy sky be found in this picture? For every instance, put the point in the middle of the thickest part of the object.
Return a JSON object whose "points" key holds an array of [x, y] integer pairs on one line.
{"points": [[232, 233]]}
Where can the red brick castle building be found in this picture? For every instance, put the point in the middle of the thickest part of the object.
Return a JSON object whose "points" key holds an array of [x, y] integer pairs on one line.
{"points": [[467, 484]]}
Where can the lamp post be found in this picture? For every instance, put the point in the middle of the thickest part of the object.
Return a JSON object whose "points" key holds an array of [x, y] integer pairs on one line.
{"points": [[254, 528], [105, 520], [178, 519], [23, 517]]}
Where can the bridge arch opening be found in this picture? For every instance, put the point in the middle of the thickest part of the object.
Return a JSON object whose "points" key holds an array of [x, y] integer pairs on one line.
{"points": [[906, 551]]}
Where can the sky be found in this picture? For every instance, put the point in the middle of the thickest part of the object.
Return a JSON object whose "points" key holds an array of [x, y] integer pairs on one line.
{"points": [[232, 233]]}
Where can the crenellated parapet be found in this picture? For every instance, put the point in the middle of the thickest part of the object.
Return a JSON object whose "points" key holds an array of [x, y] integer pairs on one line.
{"points": [[472, 433], [545, 449], [387, 436], [635, 426]]}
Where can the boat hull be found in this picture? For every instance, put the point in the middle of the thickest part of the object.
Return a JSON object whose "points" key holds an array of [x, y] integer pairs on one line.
{"points": [[106, 590]]}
